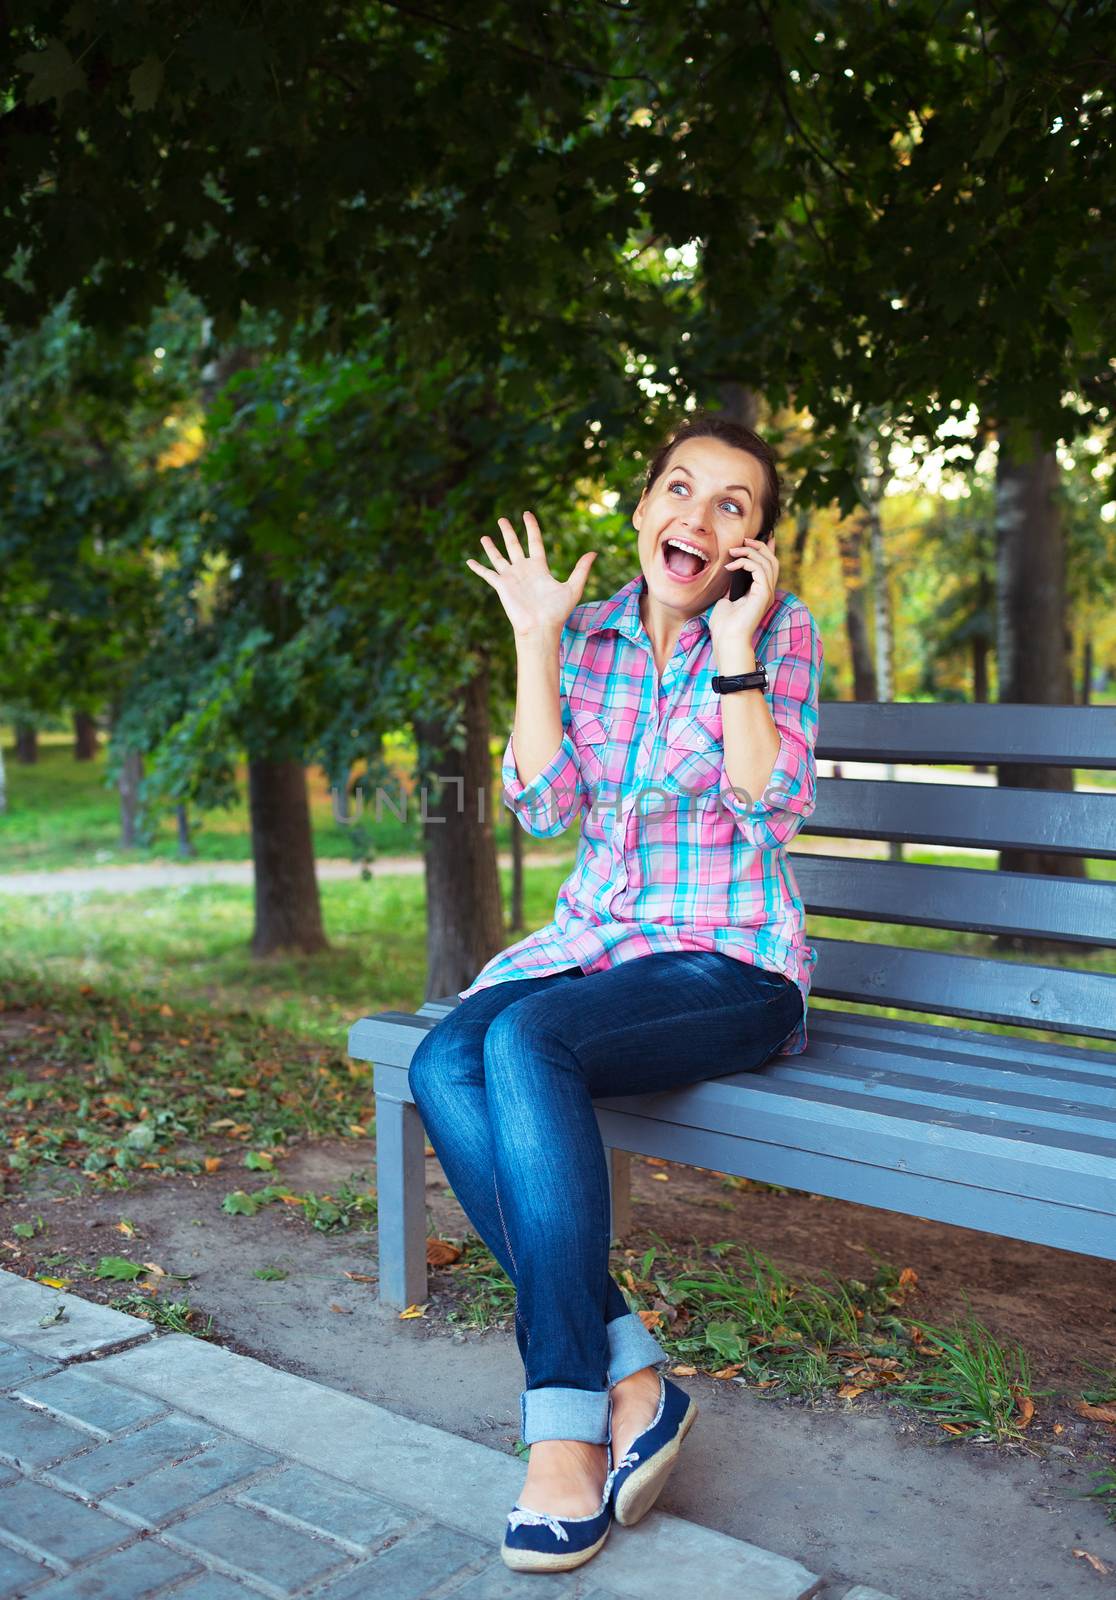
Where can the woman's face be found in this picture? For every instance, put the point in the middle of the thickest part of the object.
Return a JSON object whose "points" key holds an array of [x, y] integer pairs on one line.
{"points": [[708, 495]]}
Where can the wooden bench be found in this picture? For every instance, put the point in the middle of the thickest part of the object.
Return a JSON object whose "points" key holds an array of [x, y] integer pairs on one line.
{"points": [[985, 1129]]}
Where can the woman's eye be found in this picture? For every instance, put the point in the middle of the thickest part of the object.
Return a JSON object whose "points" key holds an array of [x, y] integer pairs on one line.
{"points": [[680, 483], [731, 503]]}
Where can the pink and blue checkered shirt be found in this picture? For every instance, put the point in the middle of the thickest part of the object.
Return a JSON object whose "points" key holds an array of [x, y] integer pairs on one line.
{"points": [[669, 857]]}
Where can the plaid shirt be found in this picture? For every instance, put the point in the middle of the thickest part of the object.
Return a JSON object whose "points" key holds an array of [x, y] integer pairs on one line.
{"points": [[669, 858]]}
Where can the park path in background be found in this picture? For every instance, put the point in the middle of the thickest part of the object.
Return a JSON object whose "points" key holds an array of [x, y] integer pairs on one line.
{"points": [[143, 875]]}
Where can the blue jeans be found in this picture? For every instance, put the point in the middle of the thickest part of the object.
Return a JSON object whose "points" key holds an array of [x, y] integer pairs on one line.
{"points": [[505, 1085]]}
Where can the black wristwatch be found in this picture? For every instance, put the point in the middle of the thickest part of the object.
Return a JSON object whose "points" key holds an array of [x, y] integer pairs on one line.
{"points": [[742, 680]]}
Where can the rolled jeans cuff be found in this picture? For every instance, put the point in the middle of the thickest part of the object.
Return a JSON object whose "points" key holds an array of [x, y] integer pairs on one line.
{"points": [[630, 1347], [557, 1413]]}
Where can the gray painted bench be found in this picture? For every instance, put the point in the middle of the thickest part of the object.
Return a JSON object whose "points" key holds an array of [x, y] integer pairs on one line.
{"points": [[984, 1129]]}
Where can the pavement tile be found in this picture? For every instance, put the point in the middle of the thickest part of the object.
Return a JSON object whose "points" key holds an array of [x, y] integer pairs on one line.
{"points": [[53, 1525], [408, 1568], [17, 1365], [133, 1455], [32, 1439], [163, 1493], [86, 1327], [327, 1506], [79, 1396], [281, 1559], [212, 1586], [17, 1572], [144, 1568], [499, 1582]]}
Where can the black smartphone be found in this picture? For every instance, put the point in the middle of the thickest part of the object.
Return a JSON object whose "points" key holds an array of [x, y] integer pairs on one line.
{"points": [[740, 582]]}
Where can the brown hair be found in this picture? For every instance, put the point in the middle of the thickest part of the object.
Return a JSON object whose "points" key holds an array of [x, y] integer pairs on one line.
{"points": [[712, 425]]}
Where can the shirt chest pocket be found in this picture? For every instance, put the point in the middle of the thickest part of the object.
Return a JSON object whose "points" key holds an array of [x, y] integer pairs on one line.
{"points": [[591, 734], [694, 757]]}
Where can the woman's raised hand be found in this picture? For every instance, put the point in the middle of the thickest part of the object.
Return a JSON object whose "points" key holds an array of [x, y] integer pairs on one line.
{"points": [[534, 599]]}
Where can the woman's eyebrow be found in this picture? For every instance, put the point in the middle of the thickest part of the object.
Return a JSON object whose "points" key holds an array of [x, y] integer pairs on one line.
{"points": [[745, 486]]}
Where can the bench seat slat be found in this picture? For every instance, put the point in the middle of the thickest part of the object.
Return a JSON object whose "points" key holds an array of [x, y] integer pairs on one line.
{"points": [[1057, 736], [1015, 1154], [971, 899], [1061, 999], [996, 1100], [939, 813], [846, 1026], [982, 1074], [868, 1179]]}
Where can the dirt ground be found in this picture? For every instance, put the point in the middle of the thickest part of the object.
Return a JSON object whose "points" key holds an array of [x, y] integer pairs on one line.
{"points": [[859, 1490], [1059, 1306]]}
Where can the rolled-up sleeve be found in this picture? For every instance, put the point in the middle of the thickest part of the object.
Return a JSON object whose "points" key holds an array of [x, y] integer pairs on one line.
{"points": [[548, 804], [793, 661]]}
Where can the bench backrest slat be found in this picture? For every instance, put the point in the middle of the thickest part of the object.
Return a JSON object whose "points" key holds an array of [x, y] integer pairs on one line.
{"points": [[970, 899], [982, 816], [1059, 736], [1062, 1000]]}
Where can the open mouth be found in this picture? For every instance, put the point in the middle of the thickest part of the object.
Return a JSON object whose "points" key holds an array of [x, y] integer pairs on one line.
{"points": [[684, 560]]}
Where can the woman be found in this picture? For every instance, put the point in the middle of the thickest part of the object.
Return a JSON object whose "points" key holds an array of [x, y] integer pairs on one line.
{"points": [[676, 952]]}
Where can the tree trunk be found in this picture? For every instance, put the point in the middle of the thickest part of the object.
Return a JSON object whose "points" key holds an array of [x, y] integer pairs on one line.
{"points": [[288, 907], [1087, 670], [26, 744], [131, 776], [85, 736], [464, 916], [849, 542], [1034, 666], [516, 919], [186, 847]]}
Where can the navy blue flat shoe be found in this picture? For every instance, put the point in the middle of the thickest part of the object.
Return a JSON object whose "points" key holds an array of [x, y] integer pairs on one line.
{"points": [[643, 1469], [536, 1541]]}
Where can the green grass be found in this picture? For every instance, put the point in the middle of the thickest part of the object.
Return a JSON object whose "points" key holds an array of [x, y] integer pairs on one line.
{"points": [[62, 814], [728, 1311]]}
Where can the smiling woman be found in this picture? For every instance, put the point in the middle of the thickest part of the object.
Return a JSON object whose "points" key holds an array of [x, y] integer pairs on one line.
{"points": [[677, 951]]}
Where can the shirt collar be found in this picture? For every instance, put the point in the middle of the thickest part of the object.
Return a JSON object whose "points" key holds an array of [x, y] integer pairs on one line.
{"points": [[622, 613]]}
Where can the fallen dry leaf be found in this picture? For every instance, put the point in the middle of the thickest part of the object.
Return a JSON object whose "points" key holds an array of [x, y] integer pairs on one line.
{"points": [[212, 1163], [908, 1275], [951, 1428], [235, 1094], [650, 1319], [729, 1371], [361, 1277], [126, 1227], [165, 1010], [439, 1252], [355, 1127], [415, 1311], [849, 1391], [660, 1177], [1096, 1413], [1094, 1561], [345, 1310], [159, 1272], [1026, 1407], [655, 1161], [683, 1372]]}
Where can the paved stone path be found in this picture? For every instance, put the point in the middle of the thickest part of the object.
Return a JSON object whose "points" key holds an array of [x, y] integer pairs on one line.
{"points": [[135, 1464]]}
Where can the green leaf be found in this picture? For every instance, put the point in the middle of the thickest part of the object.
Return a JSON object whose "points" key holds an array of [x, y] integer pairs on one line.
{"points": [[117, 1267], [240, 1204], [259, 1159], [53, 71], [145, 82], [140, 1136]]}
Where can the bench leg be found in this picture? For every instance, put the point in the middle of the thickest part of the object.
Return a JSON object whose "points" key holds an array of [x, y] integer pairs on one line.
{"points": [[401, 1202], [619, 1163]]}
